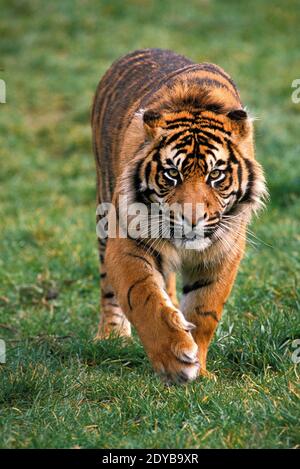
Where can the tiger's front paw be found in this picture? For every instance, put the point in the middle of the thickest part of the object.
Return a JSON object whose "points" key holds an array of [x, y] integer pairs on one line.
{"points": [[174, 353]]}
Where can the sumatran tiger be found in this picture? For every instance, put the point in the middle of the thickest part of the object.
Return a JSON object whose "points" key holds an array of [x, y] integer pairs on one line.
{"points": [[167, 130]]}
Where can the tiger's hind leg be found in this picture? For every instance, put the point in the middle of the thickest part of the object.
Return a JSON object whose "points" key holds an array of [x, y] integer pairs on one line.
{"points": [[112, 320]]}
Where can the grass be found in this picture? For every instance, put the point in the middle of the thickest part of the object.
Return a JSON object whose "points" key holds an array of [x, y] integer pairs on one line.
{"points": [[58, 388]]}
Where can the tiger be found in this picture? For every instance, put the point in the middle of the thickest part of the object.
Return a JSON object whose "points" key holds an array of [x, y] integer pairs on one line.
{"points": [[168, 130]]}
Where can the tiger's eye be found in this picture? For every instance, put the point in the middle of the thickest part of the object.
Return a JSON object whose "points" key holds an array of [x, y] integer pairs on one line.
{"points": [[215, 174], [172, 172]]}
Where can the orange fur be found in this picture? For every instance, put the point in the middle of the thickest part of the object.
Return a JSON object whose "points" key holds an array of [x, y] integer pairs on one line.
{"points": [[147, 103]]}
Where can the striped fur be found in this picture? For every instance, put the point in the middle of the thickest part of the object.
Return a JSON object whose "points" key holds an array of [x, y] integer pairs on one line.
{"points": [[168, 130]]}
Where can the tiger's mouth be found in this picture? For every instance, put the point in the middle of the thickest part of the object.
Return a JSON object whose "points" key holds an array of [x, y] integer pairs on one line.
{"points": [[198, 243], [197, 239], [201, 237], [206, 233], [201, 231]]}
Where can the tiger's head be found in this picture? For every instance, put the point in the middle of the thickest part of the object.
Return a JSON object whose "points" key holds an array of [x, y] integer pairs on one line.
{"points": [[203, 159]]}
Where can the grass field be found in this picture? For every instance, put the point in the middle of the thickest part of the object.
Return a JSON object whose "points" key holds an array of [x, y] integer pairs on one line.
{"points": [[58, 388]]}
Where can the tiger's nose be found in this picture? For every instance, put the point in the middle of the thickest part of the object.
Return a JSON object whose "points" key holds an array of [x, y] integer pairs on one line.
{"points": [[194, 219]]}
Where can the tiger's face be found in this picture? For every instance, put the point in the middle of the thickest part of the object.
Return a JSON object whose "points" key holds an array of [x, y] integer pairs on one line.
{"points": [[204, 164]]}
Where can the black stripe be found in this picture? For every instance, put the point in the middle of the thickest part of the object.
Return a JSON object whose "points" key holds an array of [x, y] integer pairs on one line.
{"points": [[157, 257], [215, 127], [203, 142], [147, 299], [211, 68], [210, 152], [174, 137], [251, 179], [156, 156], [180, 121], [195, 286], [183, 143], [224, 189], [214, 83], [207, 120], [139, 257], [240, 180], [210, 135], [220, 162], [212, 314], [148, 171], [132, 287], [177, 126], [232, 156], [233, 210]]}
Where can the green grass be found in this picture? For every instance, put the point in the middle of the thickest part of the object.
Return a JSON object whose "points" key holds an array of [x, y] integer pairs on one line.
{"points": [[58, 388]]}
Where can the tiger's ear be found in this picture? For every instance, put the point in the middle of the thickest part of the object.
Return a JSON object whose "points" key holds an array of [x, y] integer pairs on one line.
{"points": [[153, 121], [240, 122], [237, 115]]}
